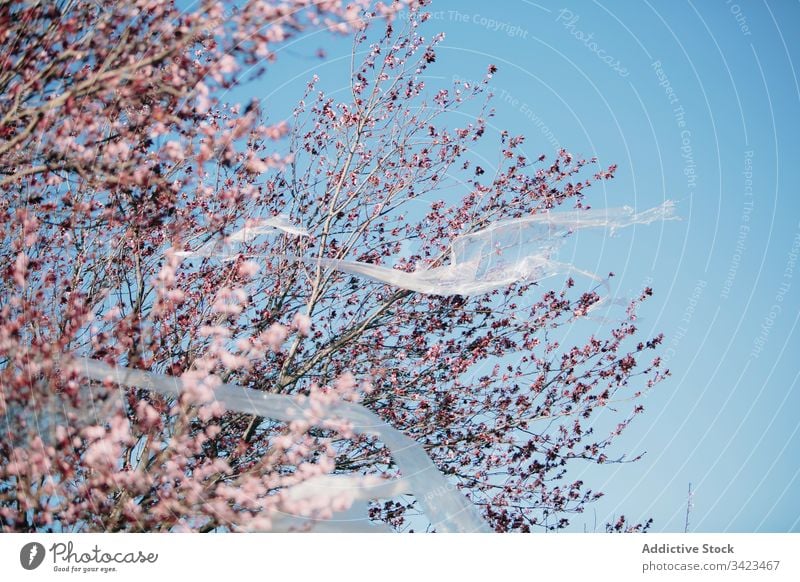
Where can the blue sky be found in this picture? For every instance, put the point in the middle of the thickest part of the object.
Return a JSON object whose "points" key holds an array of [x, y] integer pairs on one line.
{"points": [[699, 103]]}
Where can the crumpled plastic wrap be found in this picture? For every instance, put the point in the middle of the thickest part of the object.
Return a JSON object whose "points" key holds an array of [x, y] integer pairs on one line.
{"points": [[443, 504]]}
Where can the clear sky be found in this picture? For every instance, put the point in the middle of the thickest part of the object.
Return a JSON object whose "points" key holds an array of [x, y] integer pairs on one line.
{"points": [[697, 102]]}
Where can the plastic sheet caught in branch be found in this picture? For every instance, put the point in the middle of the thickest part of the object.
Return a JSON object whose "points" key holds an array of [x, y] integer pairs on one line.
{"points": [[505, 252], [228, 247], [441, 501]]}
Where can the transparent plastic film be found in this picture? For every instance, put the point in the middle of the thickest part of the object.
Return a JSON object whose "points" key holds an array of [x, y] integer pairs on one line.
{"points": [[440, 500], [227, 248], [505, 252]]}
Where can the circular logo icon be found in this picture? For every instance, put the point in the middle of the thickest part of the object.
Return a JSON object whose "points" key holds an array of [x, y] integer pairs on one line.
{"points": [[31, 555]]}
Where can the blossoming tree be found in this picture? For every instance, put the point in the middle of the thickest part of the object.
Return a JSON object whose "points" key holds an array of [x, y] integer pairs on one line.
{"points": [[146, 225]]}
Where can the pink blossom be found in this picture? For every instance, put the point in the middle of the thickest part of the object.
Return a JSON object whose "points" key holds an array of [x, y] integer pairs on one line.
{"points": [[174, 151], [302, 323], [20, 269], [249, 268], [227, 64]]}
